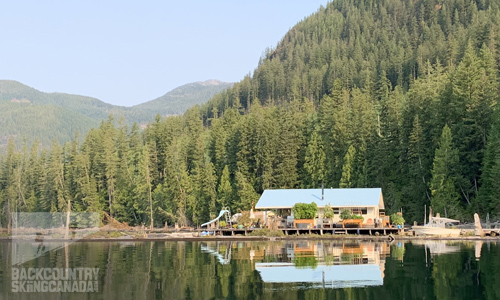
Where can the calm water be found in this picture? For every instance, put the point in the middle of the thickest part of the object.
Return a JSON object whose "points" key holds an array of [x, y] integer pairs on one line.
{"points": [[271, 270]]}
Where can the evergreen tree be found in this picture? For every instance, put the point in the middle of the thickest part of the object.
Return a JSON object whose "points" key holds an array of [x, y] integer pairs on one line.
{"points": [[488, 200], [209, 192], [108, 160], [417, 190], [246, 195], [475, 89], [333, 103], [315, 161], [347, 180], [445, 178], [225, 191], [290, 140], [143, 187]]}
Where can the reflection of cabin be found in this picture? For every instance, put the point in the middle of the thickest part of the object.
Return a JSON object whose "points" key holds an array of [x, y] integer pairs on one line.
{"points": [[367, 202], [337, 265], [331, 276], [305, 249]]}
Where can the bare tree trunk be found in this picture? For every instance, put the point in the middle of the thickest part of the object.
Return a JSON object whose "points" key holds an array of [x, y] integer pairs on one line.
{"points": [[148, 278], [478, 229], [66, 254], [9, 218], [465, 195], [110, 201], [68, 212], [150, 197], [19, 188], [378, 128]]}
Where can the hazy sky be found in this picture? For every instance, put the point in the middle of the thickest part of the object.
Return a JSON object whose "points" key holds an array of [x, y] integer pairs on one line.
{"points": [[128, 52]]}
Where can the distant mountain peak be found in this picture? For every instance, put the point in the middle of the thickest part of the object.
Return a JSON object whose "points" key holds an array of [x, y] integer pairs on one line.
{"points": [[178, 100], [211, 82], [58, 115]]}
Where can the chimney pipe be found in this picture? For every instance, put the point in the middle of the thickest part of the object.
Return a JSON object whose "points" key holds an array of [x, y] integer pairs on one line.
{"points": [[322, 191]]}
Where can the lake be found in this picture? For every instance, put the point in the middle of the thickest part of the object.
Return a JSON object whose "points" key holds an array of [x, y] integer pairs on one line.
{"points": [[312, 269]]}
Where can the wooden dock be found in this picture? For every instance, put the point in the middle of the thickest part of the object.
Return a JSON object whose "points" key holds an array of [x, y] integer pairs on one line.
{"points": [[309, 231]]}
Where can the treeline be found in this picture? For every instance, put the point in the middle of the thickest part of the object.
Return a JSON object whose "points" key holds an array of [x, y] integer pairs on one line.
{"points": [[394, 94]]}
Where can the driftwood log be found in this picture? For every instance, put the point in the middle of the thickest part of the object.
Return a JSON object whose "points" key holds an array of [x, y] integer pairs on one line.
{"points": [[478, 229]]}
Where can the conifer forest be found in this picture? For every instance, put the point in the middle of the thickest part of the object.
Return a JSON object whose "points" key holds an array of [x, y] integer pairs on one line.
{"points": [[397, 94]]}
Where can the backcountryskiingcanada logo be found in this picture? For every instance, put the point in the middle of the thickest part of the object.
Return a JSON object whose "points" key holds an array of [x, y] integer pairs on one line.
{"points": [[60, 280], [35, 236]]}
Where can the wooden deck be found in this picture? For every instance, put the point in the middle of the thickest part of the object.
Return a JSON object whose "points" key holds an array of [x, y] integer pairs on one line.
{"points": [[317, 231]]}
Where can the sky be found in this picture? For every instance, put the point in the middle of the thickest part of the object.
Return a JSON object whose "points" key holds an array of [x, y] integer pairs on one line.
{"points": [[129, 52]]}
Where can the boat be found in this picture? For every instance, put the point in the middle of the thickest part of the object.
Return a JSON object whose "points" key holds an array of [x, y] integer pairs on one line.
{"points": [[438, 226]]}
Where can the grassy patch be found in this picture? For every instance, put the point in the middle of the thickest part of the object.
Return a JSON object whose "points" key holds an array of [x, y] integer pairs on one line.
{"points": [[266, 232], [468, 233], [105, 234]]}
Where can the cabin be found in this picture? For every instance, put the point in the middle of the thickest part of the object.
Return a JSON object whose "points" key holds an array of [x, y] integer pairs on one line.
{"points": [[367, 202]]}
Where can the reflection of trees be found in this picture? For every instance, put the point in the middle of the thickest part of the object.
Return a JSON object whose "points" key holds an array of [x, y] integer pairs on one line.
{"points": [[398, 252], [179, 270], [305, 261]]}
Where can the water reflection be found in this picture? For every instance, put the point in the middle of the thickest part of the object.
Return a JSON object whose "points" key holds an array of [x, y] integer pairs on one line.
{"points": [[216, 248], [439, 247], [301, 269], [321, 263]]}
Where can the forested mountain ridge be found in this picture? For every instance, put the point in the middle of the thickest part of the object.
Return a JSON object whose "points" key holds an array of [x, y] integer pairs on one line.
{"points": [[182, 98], [28, 113], [418, 64], [16, 92], [398, 94]]}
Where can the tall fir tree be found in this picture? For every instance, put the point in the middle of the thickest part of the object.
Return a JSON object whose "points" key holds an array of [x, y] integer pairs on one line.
{"points": [[488, 200], [445, 178], [315, 161], [347, 179], [225, 190]]}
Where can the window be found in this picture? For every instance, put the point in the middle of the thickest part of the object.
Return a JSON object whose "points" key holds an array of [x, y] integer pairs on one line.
{"points": [[360, 211]]}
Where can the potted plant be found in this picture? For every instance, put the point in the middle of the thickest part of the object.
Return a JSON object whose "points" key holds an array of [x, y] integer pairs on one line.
{"points": [[349, 218], [328, 215], [328, 212], [345, 214], [357, 217], [397, 219], [304, 213], [222, 224]]}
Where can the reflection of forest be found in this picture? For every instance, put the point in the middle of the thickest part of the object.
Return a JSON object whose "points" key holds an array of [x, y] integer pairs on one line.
{"points": [[273, 270], [439, 247]]}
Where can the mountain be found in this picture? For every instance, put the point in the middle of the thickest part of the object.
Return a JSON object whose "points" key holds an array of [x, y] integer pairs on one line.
{"points": [[397, 94], [28, 113], [180, 99], [392, 85]]}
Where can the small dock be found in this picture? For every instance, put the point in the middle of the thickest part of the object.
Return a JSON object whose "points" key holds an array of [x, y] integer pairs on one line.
{"points": [[309, 231]]}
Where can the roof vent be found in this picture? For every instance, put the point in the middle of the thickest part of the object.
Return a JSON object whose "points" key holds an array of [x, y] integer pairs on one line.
{"points": [[322, 191]]}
